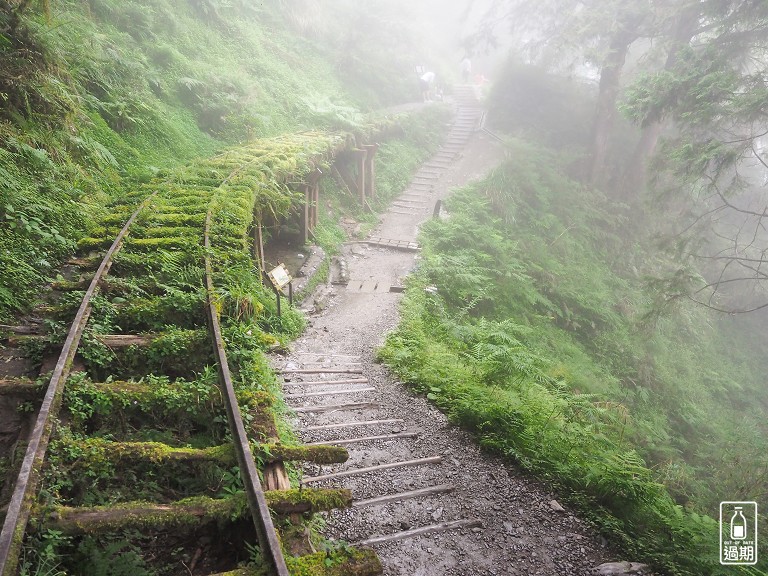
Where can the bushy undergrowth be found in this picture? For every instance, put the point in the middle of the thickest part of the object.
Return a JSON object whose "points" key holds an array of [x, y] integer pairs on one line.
{"points": [[103, 95], [528, 322]]}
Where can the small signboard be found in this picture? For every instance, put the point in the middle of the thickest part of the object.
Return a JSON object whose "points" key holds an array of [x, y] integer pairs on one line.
{"points": [[279, 277]]}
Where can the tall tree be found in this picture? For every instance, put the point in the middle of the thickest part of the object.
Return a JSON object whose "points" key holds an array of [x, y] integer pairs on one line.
{"points": [[712, 93], [627, 30], [598, 34]]}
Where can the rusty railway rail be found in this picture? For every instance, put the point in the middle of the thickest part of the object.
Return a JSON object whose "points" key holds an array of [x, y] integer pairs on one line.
{"points": [[20, 506], [23, 497], [257, 503]]}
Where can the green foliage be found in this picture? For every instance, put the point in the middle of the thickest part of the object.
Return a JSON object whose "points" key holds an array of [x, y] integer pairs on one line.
{"points": [[116, 558], [41, 556], [525, 323]]}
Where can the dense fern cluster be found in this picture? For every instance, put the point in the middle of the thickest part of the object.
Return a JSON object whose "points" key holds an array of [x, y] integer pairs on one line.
{"points": [[529, 323]]}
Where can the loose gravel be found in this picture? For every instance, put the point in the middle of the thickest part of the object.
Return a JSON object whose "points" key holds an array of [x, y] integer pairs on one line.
{"points": [[523, 532]]}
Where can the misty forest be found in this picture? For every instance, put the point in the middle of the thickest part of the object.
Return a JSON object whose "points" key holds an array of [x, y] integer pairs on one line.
{"points": [[330, 287]]}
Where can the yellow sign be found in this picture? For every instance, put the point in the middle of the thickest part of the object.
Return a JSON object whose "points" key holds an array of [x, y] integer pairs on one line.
{"points": [[279, 277]]}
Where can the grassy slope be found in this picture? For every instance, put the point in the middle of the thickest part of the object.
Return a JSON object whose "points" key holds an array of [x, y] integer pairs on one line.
{"points": [[115, 92], [536, 339]]}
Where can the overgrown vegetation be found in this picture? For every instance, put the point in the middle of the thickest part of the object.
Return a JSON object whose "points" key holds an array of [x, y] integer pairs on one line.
{"points": [[101, 96], [530, 324]]}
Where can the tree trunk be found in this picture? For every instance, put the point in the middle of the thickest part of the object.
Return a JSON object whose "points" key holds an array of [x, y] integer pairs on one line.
{"points": [[605, 113], [635, 175]]}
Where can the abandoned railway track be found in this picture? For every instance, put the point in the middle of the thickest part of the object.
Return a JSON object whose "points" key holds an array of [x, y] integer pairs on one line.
{"points": [[139, 451]]}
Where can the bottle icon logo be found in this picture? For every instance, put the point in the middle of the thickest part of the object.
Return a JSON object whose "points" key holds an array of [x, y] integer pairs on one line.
{"points": [[738, 525], [738, 533]]}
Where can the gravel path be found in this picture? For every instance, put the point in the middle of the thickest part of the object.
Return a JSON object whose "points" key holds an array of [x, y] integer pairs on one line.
{"points": [[521, 531]]}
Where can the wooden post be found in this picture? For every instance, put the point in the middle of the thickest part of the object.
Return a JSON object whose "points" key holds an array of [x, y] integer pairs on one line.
{"points": [[316, 205], [260, 238], [371, 169], [345, 178], [361, 156], [305, 215], [258, 246], [314, 196]]}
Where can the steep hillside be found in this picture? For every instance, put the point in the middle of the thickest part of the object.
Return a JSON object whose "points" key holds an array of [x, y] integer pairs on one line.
{"points": [[528, 326], [101, 95], [535, 322]]}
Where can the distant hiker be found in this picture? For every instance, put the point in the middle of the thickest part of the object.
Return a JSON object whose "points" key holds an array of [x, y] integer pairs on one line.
{"points": [[426, 80], [466, 69]]}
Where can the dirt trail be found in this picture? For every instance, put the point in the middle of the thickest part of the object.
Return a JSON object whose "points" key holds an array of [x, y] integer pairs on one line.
{"points": [[521, 533]]}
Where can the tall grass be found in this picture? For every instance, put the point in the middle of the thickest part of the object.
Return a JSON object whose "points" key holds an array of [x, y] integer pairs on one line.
{"points": [[538, 339]]}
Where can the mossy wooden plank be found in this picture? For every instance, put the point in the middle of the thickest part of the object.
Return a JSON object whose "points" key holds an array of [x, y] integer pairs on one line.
{"points": [[346, 562]]}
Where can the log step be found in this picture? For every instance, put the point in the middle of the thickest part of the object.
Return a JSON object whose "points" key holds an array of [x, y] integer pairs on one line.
{"points": [[329, 393], [159, 453], [388, 466], [355, 424], [431, 529], [328, 382], [24, 387], [350, 561], [411, 494], [125, 340], [332, 407], [323, 371], [366, 439]]}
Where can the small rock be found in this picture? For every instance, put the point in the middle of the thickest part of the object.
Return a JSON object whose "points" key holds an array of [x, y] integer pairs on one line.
{"points": [[619, 569], [405, 525], [477, 530], [437, 514], [555, 505], [508, 527]]}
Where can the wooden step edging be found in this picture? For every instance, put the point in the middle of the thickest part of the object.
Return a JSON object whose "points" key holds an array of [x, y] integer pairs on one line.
{"points": [[332, 407], [329, 393], [431, 529], [324, 371], [358, 471], [366, 439], [410, 495], [355, 424], [325, 382]]}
